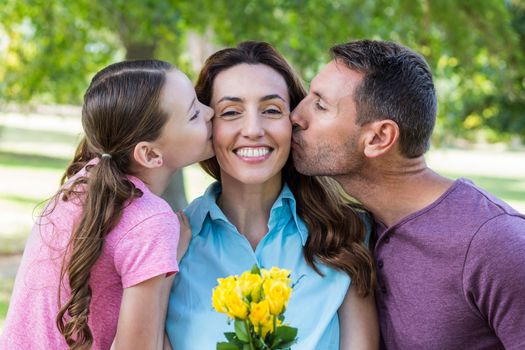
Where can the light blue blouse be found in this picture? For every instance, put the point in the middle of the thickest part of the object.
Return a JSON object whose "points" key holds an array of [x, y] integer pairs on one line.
{"points": [[217, 249]]}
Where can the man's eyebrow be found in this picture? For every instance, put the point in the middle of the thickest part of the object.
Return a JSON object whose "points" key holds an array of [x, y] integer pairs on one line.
{"points": [[230, 98], [321, 96], [271, 97]]}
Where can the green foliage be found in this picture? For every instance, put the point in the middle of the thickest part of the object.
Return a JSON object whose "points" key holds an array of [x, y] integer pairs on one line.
{"points": [[476, 49]]}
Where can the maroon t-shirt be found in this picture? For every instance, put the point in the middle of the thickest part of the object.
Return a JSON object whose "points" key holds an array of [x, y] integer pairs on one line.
{"points": [[452, 275]]}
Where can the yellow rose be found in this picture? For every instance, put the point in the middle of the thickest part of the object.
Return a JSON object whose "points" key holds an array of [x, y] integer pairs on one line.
{"points": [[260, 318], [277, 274], [218, 300], [277, 292], [266, 328], [220, 293], [250, 285], [237, 307], [260, 313], [229, 282]]}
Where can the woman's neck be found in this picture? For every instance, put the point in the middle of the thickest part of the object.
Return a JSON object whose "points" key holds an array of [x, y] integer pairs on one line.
{"points": [[248, 206]]}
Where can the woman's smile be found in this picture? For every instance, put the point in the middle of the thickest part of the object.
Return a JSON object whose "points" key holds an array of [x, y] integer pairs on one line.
{"points": [[253, 154]]}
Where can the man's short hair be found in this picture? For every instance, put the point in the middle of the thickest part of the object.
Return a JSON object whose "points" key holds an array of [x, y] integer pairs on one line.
{"points": [[397, 85]]}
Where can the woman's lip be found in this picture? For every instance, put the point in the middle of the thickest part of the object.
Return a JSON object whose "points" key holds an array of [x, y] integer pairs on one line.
{"points": [[254, 160], [253, 146]]}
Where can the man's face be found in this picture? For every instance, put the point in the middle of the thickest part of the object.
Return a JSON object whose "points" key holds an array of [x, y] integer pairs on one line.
{"points": [[325, 137]]}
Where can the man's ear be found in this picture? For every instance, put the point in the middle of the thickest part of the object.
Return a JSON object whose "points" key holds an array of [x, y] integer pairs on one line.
{"points": [[379, 137], [146, 155]]}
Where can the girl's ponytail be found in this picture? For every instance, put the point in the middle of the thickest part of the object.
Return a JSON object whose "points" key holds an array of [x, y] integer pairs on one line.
{"points": [[107, 192]]}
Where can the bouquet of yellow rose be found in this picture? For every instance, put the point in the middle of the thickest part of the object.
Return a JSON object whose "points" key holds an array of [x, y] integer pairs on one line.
{"points": [[256, 302]]}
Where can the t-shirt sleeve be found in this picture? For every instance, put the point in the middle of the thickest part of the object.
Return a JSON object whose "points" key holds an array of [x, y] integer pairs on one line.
{"points": [[147, 250], [494, 278]]}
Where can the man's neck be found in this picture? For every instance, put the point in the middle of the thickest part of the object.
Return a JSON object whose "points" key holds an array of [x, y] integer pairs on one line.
{"points": [[392, 191]]}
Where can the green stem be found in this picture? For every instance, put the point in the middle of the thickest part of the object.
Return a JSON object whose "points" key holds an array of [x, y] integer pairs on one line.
{"points": [[249, 334]]}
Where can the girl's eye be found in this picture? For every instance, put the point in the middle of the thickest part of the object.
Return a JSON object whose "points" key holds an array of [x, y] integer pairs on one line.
{"points": [[193, 117]]}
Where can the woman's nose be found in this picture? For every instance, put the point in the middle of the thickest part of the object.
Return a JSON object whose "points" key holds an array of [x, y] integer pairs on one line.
{"points": [[253, 126]]}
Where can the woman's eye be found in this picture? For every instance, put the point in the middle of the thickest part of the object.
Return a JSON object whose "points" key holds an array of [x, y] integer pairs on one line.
{"points": [[230, 114], [194, 116], [272, 111]]}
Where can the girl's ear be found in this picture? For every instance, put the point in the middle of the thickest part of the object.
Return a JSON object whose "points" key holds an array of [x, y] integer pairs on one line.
{"points": [[379, 137], [147, 155]]}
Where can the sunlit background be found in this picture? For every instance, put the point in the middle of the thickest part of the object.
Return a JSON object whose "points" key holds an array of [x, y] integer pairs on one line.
{"points": [[50, 49]]}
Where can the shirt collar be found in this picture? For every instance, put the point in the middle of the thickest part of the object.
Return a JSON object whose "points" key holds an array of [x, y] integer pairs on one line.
{"points": [[206, 206]]}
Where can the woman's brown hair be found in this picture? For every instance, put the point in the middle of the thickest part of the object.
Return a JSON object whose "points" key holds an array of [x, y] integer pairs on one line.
{"points": [[121, 109], [336, 231]]}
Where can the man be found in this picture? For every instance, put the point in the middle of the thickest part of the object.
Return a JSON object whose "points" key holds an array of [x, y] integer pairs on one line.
{"points": [[450, 257]]}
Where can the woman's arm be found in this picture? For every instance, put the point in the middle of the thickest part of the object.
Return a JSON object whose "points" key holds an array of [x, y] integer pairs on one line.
{"points": [[358, 322], [142, 315]]}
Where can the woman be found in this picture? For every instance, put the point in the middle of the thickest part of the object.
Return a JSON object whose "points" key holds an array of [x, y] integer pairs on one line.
{"points": [[261, 211]]}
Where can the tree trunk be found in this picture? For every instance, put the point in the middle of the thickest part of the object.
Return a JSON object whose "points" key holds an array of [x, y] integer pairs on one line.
{"points": [[174, 194]]}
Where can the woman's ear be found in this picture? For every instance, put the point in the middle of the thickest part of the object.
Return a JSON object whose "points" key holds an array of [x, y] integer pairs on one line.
{"points": [[147, 155], [379, 137]]}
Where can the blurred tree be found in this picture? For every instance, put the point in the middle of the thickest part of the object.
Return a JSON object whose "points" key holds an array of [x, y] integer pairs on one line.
{"points": [[476, 49]]}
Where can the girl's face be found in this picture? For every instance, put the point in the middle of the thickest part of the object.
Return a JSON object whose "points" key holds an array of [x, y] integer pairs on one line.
{"points": [[186, 136], [251, 129]]}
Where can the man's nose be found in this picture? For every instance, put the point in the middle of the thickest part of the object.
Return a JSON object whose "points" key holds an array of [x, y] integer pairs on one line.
{"points": [[296, 117]]}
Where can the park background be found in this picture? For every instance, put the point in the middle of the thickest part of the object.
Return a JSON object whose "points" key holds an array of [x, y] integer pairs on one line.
{"points": [[49, 50]]}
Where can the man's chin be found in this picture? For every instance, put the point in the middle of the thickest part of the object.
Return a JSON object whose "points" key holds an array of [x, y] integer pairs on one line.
{"points": [[302, 165]]}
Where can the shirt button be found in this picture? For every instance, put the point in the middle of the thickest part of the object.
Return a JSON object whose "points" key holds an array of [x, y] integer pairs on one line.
{"points": [[387, 239], [380, 264]]}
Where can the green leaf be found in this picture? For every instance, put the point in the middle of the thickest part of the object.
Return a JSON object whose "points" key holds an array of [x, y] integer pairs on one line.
{"points": [[227, 346], [287, 334], [285, 346], [230, 336], [256, 270], [241, 331]]}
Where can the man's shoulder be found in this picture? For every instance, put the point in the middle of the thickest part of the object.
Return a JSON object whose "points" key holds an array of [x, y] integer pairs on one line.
{"points": [[478, 197]]}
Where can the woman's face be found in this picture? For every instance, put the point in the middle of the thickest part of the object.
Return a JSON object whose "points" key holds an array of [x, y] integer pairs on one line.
{"points": [[251, 128]]}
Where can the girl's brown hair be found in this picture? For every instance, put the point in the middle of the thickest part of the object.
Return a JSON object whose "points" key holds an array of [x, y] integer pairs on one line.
{"points": [[336, 231], [121, 109]]}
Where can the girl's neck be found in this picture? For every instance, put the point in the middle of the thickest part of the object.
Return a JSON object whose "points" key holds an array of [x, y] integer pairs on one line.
{"points": [[248, 206], [156, 180]]}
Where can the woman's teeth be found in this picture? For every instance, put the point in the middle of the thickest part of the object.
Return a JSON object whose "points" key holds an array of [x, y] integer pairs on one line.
{"points": [[252, 152]]}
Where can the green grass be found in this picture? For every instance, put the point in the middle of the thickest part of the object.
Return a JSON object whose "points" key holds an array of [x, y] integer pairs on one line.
{"points": [[12, 159], [6, 286], [511, 189]]}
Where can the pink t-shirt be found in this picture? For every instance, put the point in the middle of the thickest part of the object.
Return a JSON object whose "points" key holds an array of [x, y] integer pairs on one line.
{"points": [[142, 245]]}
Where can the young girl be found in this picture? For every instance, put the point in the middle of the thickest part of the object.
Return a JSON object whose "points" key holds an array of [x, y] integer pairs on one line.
{"points": [[94, 271]]}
